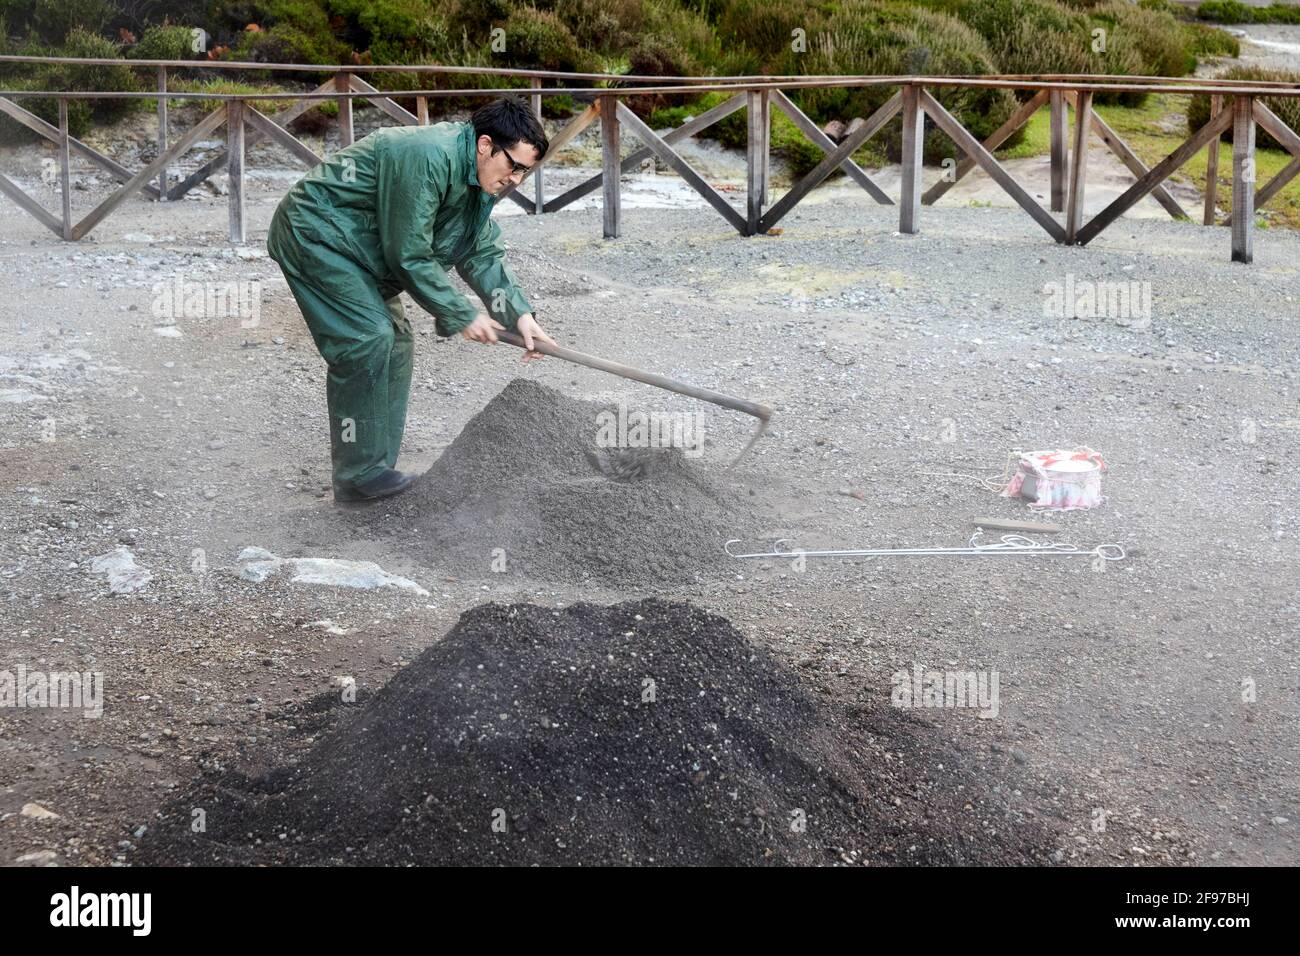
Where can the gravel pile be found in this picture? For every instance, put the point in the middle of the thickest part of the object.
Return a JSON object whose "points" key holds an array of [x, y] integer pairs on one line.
{"points": [[527, 489], [645, 732]]}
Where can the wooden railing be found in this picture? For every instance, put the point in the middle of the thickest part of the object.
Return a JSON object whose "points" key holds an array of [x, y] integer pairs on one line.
{"points": [[1234, 104]]}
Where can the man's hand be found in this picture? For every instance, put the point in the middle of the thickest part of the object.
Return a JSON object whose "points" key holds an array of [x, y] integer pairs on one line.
{"points": [[482, 329], [529, 329]]}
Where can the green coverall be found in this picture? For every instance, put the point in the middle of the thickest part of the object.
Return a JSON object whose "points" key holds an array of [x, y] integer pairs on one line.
{"points": [[386, 215]]}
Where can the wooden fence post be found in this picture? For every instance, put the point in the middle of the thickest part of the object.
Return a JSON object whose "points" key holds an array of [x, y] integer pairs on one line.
{"points": [[1243, 179], [1058, 133], [343, 83], [422, 110], [755, 156], [765, 104], [162, 131], [609, 141], [65, 169], [1078, 164], [235, 168], [1212, 166], [909, 201], [539, 195]]}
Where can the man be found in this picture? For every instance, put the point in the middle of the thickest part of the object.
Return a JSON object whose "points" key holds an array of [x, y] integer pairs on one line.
{"points": [[388, 215]]}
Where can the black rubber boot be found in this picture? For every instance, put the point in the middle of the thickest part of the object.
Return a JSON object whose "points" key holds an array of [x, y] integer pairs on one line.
{"points": [[385, 485]]}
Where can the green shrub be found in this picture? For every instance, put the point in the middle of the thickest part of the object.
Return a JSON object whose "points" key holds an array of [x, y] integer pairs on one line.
{"points": [[1162, 45], [59, 77], [1287, 108], [799, 153], [1277, 13], [861, 37], [538, 39], [286, 43], [656, 56], [86, 45], [693, 33], [604, 26], [13, 133], [392, 31], [1211, 41], [230, 17], [105, 79], [287, 31], [472, 16], [16, 17], [13, 74], [558, 107], [50, 21], [1032, 36], [764, 28], [164, 42], [1225, 11], [432, 45], [55, 20], [1103, 38]]}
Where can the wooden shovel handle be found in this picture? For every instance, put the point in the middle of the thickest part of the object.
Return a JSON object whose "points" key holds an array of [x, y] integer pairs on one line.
{"points": [[758, 410]]}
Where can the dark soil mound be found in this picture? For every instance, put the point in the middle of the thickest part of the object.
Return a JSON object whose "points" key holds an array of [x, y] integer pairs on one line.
{"points": [[525, 484], [646, 732]]}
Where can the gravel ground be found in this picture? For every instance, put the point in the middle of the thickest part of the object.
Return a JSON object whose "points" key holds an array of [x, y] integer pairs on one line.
{"points": [[1157, 697]]}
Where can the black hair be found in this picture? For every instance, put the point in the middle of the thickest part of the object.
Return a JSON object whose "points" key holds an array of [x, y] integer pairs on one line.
{"points": [[508, 121]]}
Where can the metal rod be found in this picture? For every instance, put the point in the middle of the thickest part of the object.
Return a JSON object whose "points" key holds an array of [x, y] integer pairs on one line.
{"points": [[1007, 545]]}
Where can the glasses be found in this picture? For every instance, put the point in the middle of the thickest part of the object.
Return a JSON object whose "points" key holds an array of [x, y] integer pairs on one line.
{"points": [[515, 165]]}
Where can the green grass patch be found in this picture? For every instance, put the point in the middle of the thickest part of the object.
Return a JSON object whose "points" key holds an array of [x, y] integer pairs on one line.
{"points": [[228, 87], [1037, 137]]}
